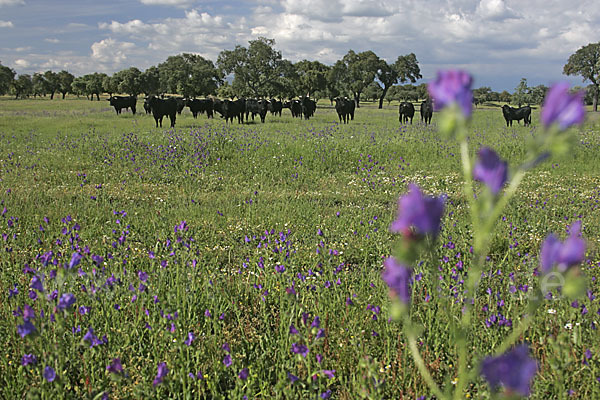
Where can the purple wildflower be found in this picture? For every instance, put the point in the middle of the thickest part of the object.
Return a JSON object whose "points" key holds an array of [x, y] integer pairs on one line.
{"points": [[227, 360], [316, 322], [293, 330], [162, 372], [452, 86], [397, 277], [66, 301], [92, 338], [36, 283], [562, 107], [49, 373], [190, 339], [300, 349], [326, 394], [416, 210], [26, 329], [514, 370], [490, 169], [243, 375], [226, 347], [28, 359], [115, 366], [75, 260], [564, 255], [293, 378], [329, 373]]}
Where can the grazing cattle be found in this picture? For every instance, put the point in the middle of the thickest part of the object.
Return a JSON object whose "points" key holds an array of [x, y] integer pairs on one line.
{"points": [[180, 103], [200, 106], [426, 111], [120, 102], [230, 109], [516, 114], [308, 107], [162, 107], [147, 105], [275, 106], [254, 107], [345, 109], [406, 111], [295, 107]]}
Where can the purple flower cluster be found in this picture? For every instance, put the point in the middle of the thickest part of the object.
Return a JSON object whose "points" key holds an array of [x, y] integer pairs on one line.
{"points": [[398, 278], [514, 370], [562, 107], [563, 255], [452, 86], [490, 169], [418, 211]]}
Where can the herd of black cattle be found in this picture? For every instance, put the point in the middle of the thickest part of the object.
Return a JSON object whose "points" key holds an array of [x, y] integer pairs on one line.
{"points": [[303, 107]]}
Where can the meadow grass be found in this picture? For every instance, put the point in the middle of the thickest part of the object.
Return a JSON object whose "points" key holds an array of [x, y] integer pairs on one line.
{"points": [[285, 222]]}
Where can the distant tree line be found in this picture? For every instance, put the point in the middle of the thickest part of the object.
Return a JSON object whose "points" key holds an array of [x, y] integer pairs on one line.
{"points": [[260, 71]]}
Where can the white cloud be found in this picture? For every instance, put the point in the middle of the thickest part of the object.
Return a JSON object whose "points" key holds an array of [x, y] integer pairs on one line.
{"points": [[11, 3], [21, 63], [176, 3], [110, 51], [6, 24], [51, 40], [495, 10]]}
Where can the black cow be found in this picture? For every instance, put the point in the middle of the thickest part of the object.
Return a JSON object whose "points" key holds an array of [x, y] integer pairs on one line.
{"points": [[120, 102], [254, 107], [426, 111], [147, 105], [516, 114], [275, 106], [345, 109], [308, 107], [295, 107], [200, 106], [162, 107], [406, 111], [180, 103], [230, 109]]}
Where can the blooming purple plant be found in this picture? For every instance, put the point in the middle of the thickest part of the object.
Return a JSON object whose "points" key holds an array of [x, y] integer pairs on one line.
{"points": [[397, 277], [562, 107], [563, 255], [300, 349], [490, 169], [66, 301], [514, 370], [243, 375], [162, 372], [26, 328], [115, 366], [49, 373], [422, 212], [452, 86], [28, 359]]}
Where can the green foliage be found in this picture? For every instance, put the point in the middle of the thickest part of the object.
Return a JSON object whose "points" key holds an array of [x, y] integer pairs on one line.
{"points": [[521, 95], [257, 69], [586, 63], [190, 75], [7, 77], [23, 86]]}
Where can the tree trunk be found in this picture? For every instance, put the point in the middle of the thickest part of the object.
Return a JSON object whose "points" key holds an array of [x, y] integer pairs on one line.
{"points": [[52, 96], [595, 101], [385, 89]]}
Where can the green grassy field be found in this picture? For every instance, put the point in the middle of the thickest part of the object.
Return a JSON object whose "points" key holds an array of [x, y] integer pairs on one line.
{"points": [[284, 222]]}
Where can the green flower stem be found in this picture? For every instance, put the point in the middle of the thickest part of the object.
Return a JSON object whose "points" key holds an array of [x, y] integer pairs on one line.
{"points": [[412, 344]]}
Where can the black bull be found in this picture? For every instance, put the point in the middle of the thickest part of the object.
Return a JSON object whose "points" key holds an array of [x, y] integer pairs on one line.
{"points": [[120, 102], [516, 114]]}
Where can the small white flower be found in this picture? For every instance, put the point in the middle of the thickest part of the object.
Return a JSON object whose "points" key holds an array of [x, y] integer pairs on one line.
{"points": [[569, 326], [551, 311]]}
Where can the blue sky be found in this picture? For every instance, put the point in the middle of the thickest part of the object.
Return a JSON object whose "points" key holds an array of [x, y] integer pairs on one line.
{"points": [[499, 41]]}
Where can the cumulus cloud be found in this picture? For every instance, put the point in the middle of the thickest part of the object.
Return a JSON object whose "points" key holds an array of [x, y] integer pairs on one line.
{"points": [[51, 40], [110, 51], [6, 24]]}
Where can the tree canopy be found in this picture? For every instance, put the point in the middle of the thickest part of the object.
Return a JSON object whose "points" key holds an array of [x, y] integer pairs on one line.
{"points": [[586, 63]]}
